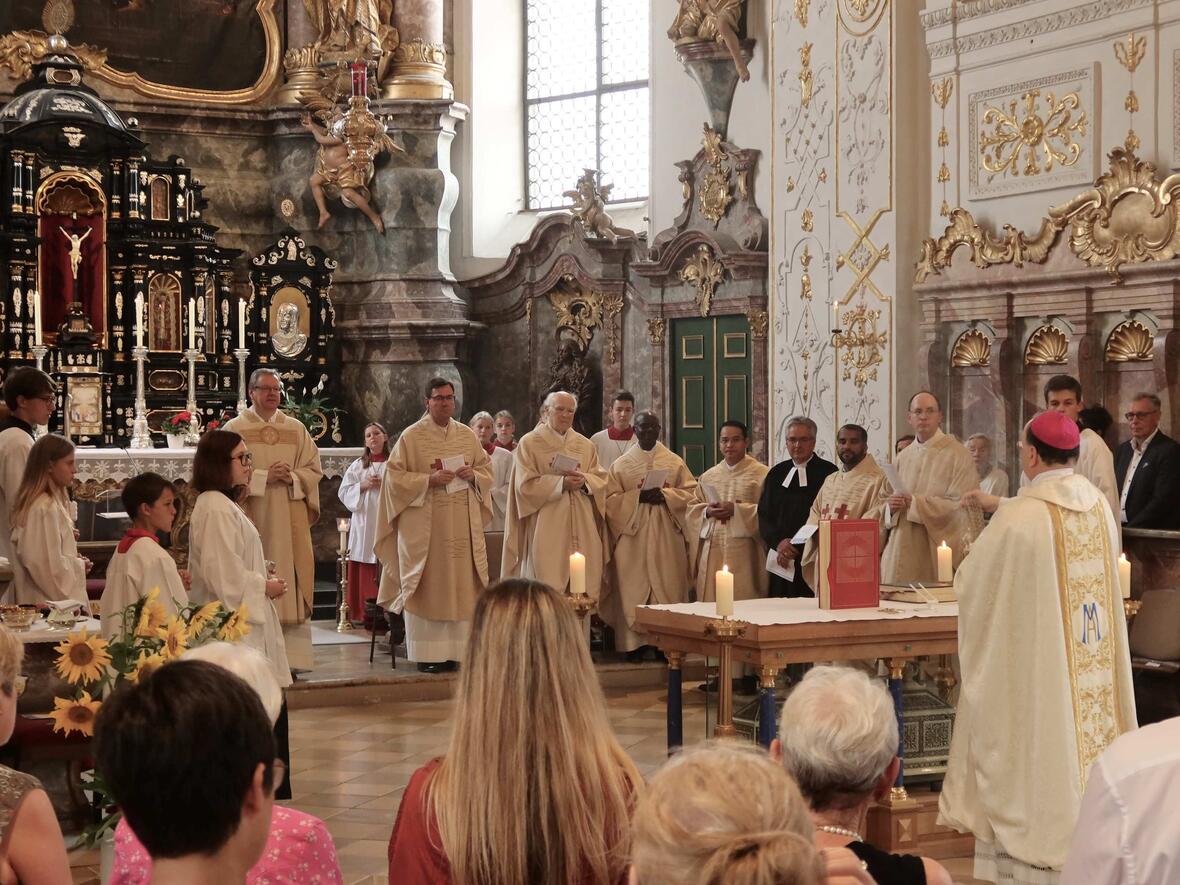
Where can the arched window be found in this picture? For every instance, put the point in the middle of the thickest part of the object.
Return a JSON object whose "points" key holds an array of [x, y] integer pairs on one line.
{"points": [[586, 97]]}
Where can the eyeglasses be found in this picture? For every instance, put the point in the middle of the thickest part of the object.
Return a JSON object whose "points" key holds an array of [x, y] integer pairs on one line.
{"points": [[1132, 416], [49, 398], [278, 773], [20, 684], [450, 397], [268, 389], [244, 459]]}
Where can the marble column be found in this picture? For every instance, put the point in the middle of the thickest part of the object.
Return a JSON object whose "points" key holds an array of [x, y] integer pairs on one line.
{"points": [[420, 60]]}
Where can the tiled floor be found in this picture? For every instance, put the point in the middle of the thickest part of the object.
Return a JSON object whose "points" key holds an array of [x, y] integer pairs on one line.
{"points": [[350, 764]]}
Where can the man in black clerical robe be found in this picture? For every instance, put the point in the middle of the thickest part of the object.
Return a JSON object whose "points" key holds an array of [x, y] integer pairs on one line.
{"points": [[787, 495]]}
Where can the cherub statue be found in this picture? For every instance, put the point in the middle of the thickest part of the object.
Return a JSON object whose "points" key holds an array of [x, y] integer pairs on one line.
{"points": [[590, 208], [711, 20]]}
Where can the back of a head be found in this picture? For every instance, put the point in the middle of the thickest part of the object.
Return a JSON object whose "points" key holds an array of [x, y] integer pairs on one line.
{"points": [[179, 751], [534, 786], [724, 814]]}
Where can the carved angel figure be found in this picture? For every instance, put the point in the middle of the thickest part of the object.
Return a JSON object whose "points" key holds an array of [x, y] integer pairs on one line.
{"points": [[362, 28], [590, 208], [711, 20]]}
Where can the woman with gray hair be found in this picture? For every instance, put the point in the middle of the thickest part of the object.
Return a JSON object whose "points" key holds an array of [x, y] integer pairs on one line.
{"points": [[838, 739]]}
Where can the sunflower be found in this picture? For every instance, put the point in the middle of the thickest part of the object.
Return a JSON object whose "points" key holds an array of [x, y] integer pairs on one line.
{"points": [[75, 715], [175, 639], [152, 616], [235, 627], [201, 617], [146, 664], [82, 657]]}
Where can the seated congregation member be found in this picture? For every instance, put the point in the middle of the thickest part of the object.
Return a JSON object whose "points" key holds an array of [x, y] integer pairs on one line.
{"points": [[481, 425], [299, 849], [505, 430], [1147, 470], [619, 436], [32, 849], [838, 740], [534, 786], [724, 814], [43, 529], [360, 492], [189, 757], [140, 565]]}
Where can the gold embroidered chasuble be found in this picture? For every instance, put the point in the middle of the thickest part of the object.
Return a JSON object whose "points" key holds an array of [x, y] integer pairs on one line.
{"points": [[430, 541], [543, 522], [1046, 672], [735, 543], [936, 473], [284, 514], [650, 552], [858, 493]]}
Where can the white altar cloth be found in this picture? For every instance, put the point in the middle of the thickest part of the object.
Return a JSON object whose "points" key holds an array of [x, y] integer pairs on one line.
{"points": [[769, 612], [120, 465]]}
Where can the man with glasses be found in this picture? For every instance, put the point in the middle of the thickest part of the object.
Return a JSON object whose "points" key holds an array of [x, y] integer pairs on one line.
{"points": [[30, 395], [787, 495], [935, 471], [1147, 469], [436, 496], [284, 502]]}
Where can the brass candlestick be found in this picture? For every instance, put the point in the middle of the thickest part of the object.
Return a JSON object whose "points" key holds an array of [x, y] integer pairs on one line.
{"points": [[726, 630], [343, 621], [582, 604]]}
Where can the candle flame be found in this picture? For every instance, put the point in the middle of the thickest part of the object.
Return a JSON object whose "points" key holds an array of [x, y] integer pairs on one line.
{"points": [[725, 568]]}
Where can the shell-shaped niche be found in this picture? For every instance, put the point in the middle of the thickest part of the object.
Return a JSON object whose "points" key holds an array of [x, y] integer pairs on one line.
{"points": [[972, 348], [1130, 342], [1047, 346]]}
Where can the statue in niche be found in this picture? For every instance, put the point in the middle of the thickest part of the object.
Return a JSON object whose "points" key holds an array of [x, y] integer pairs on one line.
{"points": [[569, 372], [590, 208], [287, 339], [711, 21], [164, 313], [357, 29]]}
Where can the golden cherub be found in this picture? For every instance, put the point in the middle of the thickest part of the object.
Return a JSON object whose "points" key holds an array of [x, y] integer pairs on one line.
{"points": [[711, 20]]}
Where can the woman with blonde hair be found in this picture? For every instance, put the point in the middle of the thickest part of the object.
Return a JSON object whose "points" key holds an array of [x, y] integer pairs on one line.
{"points": [[534, 787], [726, 814], [43, 529]]}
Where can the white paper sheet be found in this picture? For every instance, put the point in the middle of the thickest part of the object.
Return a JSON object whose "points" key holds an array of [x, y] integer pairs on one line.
{"points": [[654, 479], [564, 464], [454, 463], [710, 493], [774, 568], [804, 533], [894, 478]]}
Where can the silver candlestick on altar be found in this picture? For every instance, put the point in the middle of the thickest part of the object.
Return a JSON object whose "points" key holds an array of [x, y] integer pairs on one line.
{"points": [[141, 437], [39, 353], [241, 353], [194, 419]]}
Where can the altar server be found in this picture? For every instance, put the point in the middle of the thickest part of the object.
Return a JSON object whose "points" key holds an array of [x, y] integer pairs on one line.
{"points": [[360, 492], [483, 427], [614, 441], [43, 529], [140, 565], [505, 430]]}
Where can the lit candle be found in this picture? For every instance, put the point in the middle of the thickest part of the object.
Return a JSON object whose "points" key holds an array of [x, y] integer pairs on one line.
{"points": [[242, 323], [724, 583], [577, 574], [342, 524], [1125, 575], [192, 324], [945, 559], [36, 316], [139, 319]]}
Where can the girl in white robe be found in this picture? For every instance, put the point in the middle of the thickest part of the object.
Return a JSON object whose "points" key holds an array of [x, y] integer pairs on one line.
{"points": [[43, 529], [140, 564], [360, 492], [481, 423]]}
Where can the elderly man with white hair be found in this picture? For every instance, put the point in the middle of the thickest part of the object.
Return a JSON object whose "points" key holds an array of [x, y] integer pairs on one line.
{"points": [[556, 502], [838, 740]]}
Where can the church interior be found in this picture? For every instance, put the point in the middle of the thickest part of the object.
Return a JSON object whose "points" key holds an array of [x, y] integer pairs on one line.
{"points": [[750, 211]]}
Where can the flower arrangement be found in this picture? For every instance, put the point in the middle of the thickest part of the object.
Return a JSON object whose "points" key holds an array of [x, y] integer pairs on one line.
{"points": [[179, 422]]}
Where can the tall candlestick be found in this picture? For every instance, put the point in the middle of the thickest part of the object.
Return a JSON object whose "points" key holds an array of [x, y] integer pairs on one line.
{"points": [[724, 592], [342, 525], [1125, 575], [577, 574], [139, 319], [192, 324], [36, 316], [945, 560], [836, 316], [242, 323]]}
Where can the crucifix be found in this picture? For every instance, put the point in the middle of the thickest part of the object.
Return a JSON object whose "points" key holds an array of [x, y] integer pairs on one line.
{"points": [[75, 249]]}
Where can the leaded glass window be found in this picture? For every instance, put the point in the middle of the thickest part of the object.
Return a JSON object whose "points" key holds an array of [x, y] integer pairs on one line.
{"points": [[586, 97]]}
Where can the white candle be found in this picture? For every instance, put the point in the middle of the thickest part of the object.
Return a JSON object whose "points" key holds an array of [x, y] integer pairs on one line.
{"points": [[724, 584], [342, 524], [139, 319], [577, 574], [835, 314], [945, 559], [242, 323], [192, 324], [36, 316], [1125, 575]]}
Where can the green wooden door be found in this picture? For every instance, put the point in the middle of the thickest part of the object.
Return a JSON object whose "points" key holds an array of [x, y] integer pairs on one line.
{"points": [[710, 384]]}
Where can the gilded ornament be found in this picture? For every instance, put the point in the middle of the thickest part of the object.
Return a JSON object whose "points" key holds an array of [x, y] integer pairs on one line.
{"points": [[805, 280], [1131, 142], [862, 345], [972, 348], [805, 76], [704, 272], [716, 191], [1014, 135], [711, 21], [941, 91], [1047, 346], [1130, 51], [944, 137], [945, 209], [656, 328], [1013, 248], [1131, 104], [790, 183], [612, 306], [808, 222], [58, 16], [823, 176], [590, 208], [759, 324], [20, 50], [355, 30], [801, 9], [578, 313], [944, 173], [1130, 342]]}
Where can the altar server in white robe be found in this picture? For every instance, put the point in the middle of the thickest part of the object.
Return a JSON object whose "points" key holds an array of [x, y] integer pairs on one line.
{"points": [[1046, 673], [140, 565], [483, 426], [30, 395], [1063, 393], [360, 492], [992, 480], [43, 529], [225, 549], [618, 437]]}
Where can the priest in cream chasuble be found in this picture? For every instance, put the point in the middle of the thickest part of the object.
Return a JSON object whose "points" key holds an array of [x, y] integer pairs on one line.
{"points": [[935, 470], [647, 529], [726, 532], [856, 491], [1046, 672], [283, 503], [436, 496], [556, 502]]}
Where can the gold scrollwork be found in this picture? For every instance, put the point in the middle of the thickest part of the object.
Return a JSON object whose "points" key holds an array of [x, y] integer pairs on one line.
{"points": [[807, 222], [806, 80], [704, 272], [20, 50], [805, 279], [1015, 134], [972, 348], [941, 91], [802, 7], [578, 313], [716, 191], [1047, 346], [759, 324], [612, 306], [1130, 342], [1013, 248], [656, 329], [1130, 52], [862, 345]]}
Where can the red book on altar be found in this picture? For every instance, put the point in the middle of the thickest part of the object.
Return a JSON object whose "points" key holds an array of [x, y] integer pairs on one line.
{"points": [[849, 569]]}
